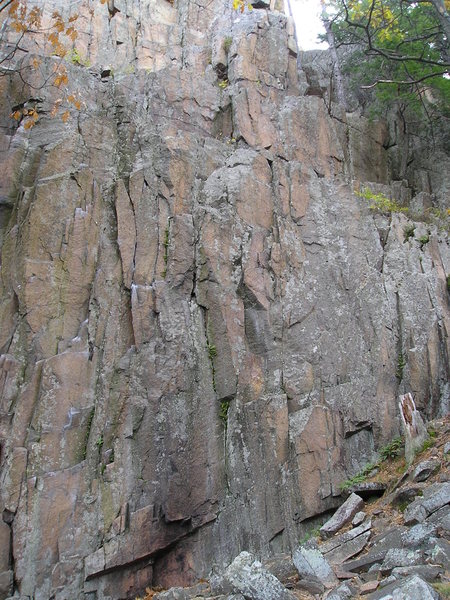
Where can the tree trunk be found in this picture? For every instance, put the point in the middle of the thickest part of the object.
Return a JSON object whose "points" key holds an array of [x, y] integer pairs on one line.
{"points": [[337, 75]]}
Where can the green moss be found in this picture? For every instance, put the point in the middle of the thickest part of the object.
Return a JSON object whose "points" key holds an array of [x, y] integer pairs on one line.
{"points": [[359, 477], [88, 433], [223, 412], [423, 240], [408, 232], [227, 43], [401, 363]]}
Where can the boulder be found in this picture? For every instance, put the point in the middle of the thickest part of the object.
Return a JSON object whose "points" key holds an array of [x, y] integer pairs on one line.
{"points": [[425, 469], [342, 516], [400, 557], [358, 518], [413, 588], [434, 497], [311, 564], [247, 576]]}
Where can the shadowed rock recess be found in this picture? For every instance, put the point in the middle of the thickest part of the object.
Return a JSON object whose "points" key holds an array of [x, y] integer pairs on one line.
{"points": [[203, 329]]}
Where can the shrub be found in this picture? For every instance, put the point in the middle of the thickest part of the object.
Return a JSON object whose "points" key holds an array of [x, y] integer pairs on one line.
{"points": [[393, 449]]}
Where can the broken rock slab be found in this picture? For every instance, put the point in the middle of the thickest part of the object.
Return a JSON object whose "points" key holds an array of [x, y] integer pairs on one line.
{"points": [[413, 588], [311, 564], [247, 576], [425, 469], [342, 516], [400, 557], [434, 498]]}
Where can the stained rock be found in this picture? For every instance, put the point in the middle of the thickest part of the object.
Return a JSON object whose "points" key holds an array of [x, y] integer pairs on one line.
{"points": [[368, 587], [311, 564], [247, 576], [419, 535], [342, 516]]}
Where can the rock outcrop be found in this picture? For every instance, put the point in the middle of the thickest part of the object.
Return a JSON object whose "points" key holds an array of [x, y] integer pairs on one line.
{"points": [[204, 330]]}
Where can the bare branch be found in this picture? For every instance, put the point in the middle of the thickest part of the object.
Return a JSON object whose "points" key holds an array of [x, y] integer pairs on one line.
{"points": [[407, 82]]}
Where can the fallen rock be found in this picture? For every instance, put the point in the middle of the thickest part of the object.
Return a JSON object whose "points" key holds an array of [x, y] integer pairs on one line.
{"points": [[426, 572], [440, 553], [281, 567], [368, 587], [434, 497], [247, 576], [425, 469], [400, 557], [342, 516], [348, 549], [414, 588], [343, 592], [418, 535], [405, 495], [312, 587], [441, 518], [358, 518], [311, 564], [377, 553], [338, 540]]}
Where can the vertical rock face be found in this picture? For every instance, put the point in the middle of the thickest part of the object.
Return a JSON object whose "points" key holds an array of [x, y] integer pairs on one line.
{"points": [[201, 323]]}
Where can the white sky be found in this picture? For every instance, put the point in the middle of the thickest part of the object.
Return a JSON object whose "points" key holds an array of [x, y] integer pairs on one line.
{"points": [[307, 22]]}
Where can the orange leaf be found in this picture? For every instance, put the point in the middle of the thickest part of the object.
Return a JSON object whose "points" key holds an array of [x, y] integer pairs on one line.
{"points": [[65, 116], [73, 18], [71, 98], [77, 104], [28, 124], [16, 115]]}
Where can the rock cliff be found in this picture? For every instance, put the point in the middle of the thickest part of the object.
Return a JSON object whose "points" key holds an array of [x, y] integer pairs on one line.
{"points": [[204, 329]]}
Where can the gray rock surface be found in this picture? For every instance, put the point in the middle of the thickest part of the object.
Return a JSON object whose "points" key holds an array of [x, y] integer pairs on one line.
{"points": [[400, 557], [342, 516], [424, 469], [311, 564], [434, 498], [247, 576], [414, 588]]}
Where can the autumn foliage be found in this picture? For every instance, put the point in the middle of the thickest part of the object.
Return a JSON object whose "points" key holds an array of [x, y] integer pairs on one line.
{"points": [[25, 21]]}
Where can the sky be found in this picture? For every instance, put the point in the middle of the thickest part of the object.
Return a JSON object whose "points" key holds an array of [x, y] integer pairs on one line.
{"points": [[307, 22]]}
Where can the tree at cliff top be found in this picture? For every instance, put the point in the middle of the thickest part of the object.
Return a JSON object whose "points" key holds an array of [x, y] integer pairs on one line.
{"points": [[399, 50], [22, 23]]}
